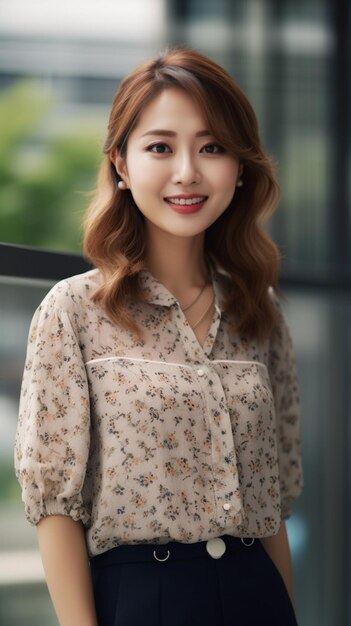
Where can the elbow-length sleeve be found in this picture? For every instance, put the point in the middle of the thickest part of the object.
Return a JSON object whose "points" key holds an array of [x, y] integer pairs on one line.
{"points": [[53, 430], [285, 387]]}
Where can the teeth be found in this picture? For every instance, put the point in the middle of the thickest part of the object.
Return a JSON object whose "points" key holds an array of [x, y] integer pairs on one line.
{"points": [[188, 201]]}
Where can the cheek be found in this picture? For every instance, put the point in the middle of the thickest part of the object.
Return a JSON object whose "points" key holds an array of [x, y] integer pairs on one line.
{"points": [[144, 173], [229, 175], [225, 175]]}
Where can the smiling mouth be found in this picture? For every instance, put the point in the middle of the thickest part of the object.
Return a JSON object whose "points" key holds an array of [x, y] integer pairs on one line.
{"points": [[186, 201], [186, 205]]}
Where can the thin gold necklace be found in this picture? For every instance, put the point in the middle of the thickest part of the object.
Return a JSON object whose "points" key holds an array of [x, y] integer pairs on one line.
{"points": [[203, 315], [196, 299]]}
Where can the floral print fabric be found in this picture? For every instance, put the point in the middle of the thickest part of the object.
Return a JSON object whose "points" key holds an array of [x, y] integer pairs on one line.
{"points": [[157, 440]]}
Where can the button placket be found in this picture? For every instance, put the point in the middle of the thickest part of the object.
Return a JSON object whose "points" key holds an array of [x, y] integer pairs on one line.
{"points": [[224, 469], [225, 472]]}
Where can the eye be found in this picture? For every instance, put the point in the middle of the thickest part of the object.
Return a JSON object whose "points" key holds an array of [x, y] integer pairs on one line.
{"points": [[213, 148], [159, 148]]}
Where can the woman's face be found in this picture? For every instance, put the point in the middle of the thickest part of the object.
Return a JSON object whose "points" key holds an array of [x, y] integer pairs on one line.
{"points": [[181, 179]]}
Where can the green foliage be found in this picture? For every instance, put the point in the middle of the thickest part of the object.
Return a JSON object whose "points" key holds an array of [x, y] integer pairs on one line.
{"points": [[44, 174]]}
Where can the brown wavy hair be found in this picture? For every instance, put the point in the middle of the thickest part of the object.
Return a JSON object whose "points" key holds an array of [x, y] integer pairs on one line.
{"points": [[114, 226]]}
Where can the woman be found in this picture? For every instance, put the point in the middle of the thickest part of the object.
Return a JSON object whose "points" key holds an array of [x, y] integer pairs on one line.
{"points": [[158, 440]]}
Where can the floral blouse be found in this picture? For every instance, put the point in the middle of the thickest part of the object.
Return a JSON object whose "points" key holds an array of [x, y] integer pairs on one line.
{"points": [[157, 440]]}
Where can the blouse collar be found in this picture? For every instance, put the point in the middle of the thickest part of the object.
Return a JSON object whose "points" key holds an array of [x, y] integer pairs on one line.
{"points": [[157, 293]]}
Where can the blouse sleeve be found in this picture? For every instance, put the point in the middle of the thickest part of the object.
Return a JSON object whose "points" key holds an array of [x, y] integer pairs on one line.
{"points": [[285, 387], [52, 437]]}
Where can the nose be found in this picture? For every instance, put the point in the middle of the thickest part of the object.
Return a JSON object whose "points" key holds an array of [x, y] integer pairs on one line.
{"points": [[186, 171]]}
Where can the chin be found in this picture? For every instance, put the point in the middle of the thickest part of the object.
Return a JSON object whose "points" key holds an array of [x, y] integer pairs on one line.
{"points": [[186, 232]]}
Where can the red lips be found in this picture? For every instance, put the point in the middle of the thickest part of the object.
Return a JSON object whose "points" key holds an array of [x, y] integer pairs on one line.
{"points": [[186, 202]]}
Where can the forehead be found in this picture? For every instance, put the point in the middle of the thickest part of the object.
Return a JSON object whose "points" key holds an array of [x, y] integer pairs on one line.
{"points": [[171, 109]]}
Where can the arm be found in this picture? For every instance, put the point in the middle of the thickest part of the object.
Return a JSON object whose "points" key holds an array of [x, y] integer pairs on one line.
{"points": [[277, 547], [65, 559], [285, 387]]}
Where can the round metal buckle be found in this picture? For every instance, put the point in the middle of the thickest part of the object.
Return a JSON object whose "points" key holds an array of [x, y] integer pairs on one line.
{"points": [[247, 542], [162, 560]]}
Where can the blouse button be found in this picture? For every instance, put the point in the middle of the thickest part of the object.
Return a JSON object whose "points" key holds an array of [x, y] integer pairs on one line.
{"points": [[227, 506], [200, 372]]}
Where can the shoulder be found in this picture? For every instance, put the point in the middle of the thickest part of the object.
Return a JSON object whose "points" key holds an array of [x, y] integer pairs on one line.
{"points": [[221, 281], [69, 298], [71, 292], [280, 338], [277, 300]]}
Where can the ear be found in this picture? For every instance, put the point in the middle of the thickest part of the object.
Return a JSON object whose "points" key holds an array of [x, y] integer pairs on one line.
{"points": [[120, 165], [241, 169]]}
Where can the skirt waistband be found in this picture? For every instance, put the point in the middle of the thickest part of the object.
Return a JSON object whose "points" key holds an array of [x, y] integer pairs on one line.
{"points": [[172, 551]]}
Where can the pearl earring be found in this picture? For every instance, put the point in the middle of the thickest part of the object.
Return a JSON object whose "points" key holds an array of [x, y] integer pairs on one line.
{"points": [[122, 185], [240, 183]]}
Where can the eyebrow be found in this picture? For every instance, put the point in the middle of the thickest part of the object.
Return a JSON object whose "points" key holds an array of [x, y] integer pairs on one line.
{"points": [[171, 133]]}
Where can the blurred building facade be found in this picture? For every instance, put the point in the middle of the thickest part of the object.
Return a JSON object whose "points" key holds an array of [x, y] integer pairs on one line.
{"points": [[293, 61]]}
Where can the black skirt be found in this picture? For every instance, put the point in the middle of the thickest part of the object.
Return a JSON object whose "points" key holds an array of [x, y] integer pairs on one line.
{"points": [[179, 584]]}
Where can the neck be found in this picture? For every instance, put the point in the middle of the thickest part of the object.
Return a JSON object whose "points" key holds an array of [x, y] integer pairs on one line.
{"points": [[177, 262]]}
